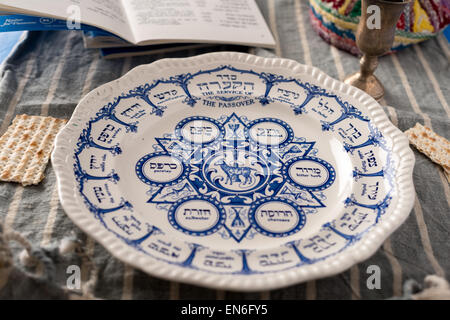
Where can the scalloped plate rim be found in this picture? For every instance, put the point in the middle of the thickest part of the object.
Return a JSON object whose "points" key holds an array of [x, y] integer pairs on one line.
{"points": [[341, 262]]}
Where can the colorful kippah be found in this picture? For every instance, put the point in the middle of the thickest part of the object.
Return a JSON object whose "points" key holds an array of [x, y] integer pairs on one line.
{"points": [[336, 22]]}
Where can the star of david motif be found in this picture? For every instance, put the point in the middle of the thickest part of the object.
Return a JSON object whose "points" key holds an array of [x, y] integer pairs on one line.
{"points": [[235, 177]]}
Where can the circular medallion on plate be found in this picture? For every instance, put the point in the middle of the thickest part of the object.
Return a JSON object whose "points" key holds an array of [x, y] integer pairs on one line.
{"points": [[161, 169], [236, 171]]}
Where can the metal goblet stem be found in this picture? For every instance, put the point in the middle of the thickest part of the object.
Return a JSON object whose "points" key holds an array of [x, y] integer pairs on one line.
{"points": [[374, 42]]}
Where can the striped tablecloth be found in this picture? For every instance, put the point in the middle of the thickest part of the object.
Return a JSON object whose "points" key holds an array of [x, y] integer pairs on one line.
{"points": [[51, 71]]}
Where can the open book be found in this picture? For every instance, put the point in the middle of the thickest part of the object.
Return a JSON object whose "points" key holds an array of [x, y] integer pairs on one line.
{"points": [[147, 22]]}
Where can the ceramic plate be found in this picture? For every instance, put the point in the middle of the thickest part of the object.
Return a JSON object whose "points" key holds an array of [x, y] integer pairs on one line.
{"points": [[233, 171]]}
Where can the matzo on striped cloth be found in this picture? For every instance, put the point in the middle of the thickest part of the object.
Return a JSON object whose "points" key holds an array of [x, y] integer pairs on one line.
{"points": [[435, 147], [51, 71], [26, 146]]}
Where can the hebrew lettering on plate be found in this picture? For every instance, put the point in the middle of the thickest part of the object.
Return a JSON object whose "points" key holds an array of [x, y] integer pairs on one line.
{"points": [[226, 172]]}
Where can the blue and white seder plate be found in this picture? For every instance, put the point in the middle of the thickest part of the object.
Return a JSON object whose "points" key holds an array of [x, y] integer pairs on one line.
{"points": [[233, 171]]}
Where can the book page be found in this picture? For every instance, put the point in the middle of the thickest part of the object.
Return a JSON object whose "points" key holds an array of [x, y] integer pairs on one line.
{"points": [[223, 21], [108, 15]]}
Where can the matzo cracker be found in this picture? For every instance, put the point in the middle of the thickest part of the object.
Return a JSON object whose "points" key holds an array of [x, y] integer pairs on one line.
{"points": [[25, 148], [437, 148]]}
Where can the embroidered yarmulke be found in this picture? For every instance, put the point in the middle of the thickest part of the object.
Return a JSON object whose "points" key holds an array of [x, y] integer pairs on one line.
{"points": [[336, 22]]}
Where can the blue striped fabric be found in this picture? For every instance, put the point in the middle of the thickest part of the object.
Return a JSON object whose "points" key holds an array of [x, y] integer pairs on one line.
{"points": [[51, 71]]}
